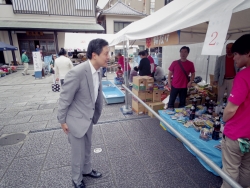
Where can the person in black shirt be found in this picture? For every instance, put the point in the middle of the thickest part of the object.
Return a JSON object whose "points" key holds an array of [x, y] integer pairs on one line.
{"points": [[144, 67]]}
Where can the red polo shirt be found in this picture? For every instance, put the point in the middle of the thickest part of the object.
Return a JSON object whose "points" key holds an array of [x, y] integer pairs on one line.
{"points": [[229, 70], [179, 78]]}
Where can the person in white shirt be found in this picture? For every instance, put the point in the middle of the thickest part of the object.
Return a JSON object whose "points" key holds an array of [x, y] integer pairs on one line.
{"points": [[62, 66]]}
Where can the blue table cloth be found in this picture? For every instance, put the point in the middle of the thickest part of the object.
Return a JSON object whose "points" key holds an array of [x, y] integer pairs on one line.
{"points": [[206, 147]]}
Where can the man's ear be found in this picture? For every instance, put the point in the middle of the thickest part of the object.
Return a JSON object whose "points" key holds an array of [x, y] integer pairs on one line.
{"points": [[94, 55]]}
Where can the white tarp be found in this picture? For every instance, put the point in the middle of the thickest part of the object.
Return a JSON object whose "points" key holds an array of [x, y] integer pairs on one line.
{"points": [[188, 16], [80, 41]]}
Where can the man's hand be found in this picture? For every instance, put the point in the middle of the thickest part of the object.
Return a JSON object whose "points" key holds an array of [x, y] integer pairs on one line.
{"points": [[215, 83], [65, 128], [169, 85], [189, 84], [57, 79]]}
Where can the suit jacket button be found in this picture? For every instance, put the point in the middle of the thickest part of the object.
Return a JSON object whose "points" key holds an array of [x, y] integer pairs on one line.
{"points": [[90, 118], [93, 109]]}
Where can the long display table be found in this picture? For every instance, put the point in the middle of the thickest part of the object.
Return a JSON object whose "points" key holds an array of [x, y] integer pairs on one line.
{"points": [[206, 147]]}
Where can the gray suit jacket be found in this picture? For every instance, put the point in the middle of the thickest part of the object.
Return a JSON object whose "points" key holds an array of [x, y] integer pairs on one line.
{"points": [[76, 104], [219, 71]]}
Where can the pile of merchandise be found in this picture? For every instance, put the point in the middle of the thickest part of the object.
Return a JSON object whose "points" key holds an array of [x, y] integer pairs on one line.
{"points": [[6, 70], [149, 92], [206, 118]]}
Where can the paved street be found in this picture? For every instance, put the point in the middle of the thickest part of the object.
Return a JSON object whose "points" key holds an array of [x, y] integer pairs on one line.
{"points": [[136, 151]]}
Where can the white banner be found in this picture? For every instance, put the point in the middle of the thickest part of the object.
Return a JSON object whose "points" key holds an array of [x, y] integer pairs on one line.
{"points": [[216, 33], [37, 61]]}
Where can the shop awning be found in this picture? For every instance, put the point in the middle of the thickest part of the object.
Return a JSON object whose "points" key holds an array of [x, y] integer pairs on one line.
{"points": [[45, 26]]}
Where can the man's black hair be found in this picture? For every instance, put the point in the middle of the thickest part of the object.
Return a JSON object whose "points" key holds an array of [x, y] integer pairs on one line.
{"points": [[62, 52], [142, 53], [136, 69], [146, 52], [242, 45], [95, 46], [185, 47]]}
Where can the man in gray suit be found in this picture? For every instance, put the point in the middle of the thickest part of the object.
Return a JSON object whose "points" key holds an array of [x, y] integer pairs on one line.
{"points": [[80, 107], [224, 73]]}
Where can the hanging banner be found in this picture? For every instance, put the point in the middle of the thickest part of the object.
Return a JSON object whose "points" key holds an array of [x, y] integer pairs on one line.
{"points": [[37, 61], [163, 40], [216, 33]]}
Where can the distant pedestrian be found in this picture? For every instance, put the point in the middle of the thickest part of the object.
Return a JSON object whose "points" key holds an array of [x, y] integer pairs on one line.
{"points": [[159, 74], [62, 66], [121, 63], [25, 61], [152, 63], [144, 67], [37, 48], [133, 73]]}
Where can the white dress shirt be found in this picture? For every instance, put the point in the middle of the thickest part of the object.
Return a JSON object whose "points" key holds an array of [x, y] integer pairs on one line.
{"points": [[95, 76]]}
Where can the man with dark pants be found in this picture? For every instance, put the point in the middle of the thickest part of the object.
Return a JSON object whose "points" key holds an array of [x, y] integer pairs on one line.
{"points": [[80, 106], [180, 70], [224, 73]]}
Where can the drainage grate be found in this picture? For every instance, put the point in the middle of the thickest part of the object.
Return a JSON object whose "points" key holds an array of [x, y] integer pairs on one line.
{"points": [[12, 139]]}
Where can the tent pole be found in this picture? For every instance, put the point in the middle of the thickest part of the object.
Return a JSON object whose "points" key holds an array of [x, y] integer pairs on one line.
{"points": [[13, 53], [126, 109], [207, 66]]}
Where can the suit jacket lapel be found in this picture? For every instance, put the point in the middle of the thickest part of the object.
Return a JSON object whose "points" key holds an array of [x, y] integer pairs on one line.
{"points": [[90, 81]]}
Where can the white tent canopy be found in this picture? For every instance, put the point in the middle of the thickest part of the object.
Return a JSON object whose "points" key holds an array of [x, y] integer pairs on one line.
{"points": [[189, 16], [80, 41]]}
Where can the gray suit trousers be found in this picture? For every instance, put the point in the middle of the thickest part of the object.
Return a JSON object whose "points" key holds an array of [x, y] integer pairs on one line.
{"points": [[81, 155]]}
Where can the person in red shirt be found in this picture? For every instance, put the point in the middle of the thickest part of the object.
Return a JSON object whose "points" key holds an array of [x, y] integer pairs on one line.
{"points": [[119, 73], [122, 63], [224, 73], [152, 63], [236, 163], [180, 82]]}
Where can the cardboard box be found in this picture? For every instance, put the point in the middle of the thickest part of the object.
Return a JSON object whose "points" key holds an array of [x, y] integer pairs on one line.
{"points": [[155, 106], [140, 94], [139, 83], [149, 83], [157, 95], [164, 94], [149, 96], [211, 76], [146, 110], [215, 90], [137, 107]]}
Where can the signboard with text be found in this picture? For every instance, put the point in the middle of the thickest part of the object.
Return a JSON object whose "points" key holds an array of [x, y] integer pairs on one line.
{"points": [[37, 61], [216, 33], [162, 40]]}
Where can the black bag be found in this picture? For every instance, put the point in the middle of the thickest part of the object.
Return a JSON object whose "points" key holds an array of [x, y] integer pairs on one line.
{"points": [[188, 78], [56, 87]]}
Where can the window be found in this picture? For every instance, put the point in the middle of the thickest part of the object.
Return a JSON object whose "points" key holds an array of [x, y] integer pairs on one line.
{"points": [[152, 6], [167, 1], [120, 25]]}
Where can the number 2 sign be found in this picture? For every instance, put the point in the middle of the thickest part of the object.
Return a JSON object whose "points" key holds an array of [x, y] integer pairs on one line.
{"points": [[216, 33]]}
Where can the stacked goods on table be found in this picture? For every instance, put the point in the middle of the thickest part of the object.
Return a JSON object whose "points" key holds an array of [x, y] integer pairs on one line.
{"points": [[149, 92], [204, 116], [200, 92]]}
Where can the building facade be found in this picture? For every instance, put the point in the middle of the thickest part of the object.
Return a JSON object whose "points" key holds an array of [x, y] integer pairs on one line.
{"points": [[28, 23]]}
